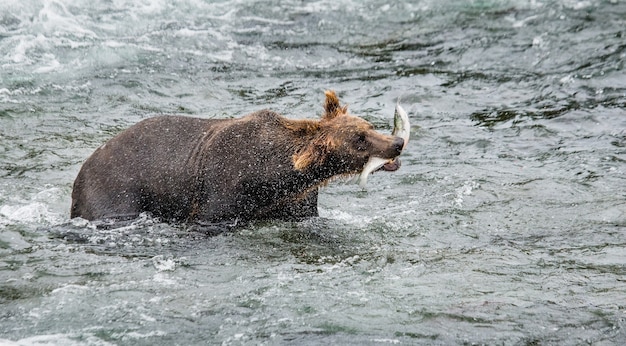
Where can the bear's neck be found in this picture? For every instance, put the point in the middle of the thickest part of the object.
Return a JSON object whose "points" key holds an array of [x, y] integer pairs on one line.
{"points": [[321, 174]]}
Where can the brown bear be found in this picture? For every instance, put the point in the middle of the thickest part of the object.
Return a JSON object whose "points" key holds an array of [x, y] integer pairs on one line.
{"points": [[260, 166]]}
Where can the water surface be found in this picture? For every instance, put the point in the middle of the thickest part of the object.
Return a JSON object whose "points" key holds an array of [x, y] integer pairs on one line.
{"points": [[505, 225]]}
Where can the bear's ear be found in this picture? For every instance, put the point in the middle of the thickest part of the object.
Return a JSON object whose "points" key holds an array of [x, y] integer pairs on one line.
{"points": [[332, 108]]}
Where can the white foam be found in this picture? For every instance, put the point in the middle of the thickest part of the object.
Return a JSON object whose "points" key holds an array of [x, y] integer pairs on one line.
{"points": [[577, 5], [521, 23], [48, 206], [55, 20], [386, 341], [20, 53], [57, 339], [51, 65], [335, 214], [539, 42], [465, 190], [48, 32], [137, 335], [267, 20], [569, 79], [36, 212], [163, 264], [70, 289]]}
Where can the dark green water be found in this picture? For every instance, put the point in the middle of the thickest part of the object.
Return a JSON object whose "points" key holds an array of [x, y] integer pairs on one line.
{"points": [[505, 225]]}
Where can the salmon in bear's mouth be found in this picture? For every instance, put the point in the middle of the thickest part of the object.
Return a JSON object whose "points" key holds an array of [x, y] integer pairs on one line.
{"points": [[401, 128]]}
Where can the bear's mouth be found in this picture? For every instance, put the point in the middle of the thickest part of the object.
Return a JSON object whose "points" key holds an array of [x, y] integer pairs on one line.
{"points": [[376, 163], [391, 165], [402, 129]]}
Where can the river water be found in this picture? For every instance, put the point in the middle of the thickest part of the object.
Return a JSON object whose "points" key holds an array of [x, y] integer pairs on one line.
{"points": [[505, 225]]}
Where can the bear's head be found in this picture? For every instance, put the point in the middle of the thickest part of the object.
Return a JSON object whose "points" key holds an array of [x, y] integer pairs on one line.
{"points": [[343, 143]]}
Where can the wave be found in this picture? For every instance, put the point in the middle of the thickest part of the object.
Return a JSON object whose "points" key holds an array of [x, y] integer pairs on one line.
{"points": [[78, 339], [45, 207]]}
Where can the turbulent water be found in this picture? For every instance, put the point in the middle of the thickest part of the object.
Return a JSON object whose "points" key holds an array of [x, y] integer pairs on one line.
{"points": [[505, 225]]}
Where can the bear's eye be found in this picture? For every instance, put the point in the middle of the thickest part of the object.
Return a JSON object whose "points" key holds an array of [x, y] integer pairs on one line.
{"points": [[361, 142]]}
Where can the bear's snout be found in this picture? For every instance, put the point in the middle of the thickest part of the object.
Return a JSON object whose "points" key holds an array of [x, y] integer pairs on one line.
{"points": [[397, 145]]}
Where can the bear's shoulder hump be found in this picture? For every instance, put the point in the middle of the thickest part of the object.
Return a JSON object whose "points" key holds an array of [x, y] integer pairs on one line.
{"points": [[266, 115]]}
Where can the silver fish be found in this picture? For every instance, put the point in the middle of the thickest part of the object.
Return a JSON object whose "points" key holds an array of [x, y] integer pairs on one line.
{"points": [[402, 129], [401, 126]]}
